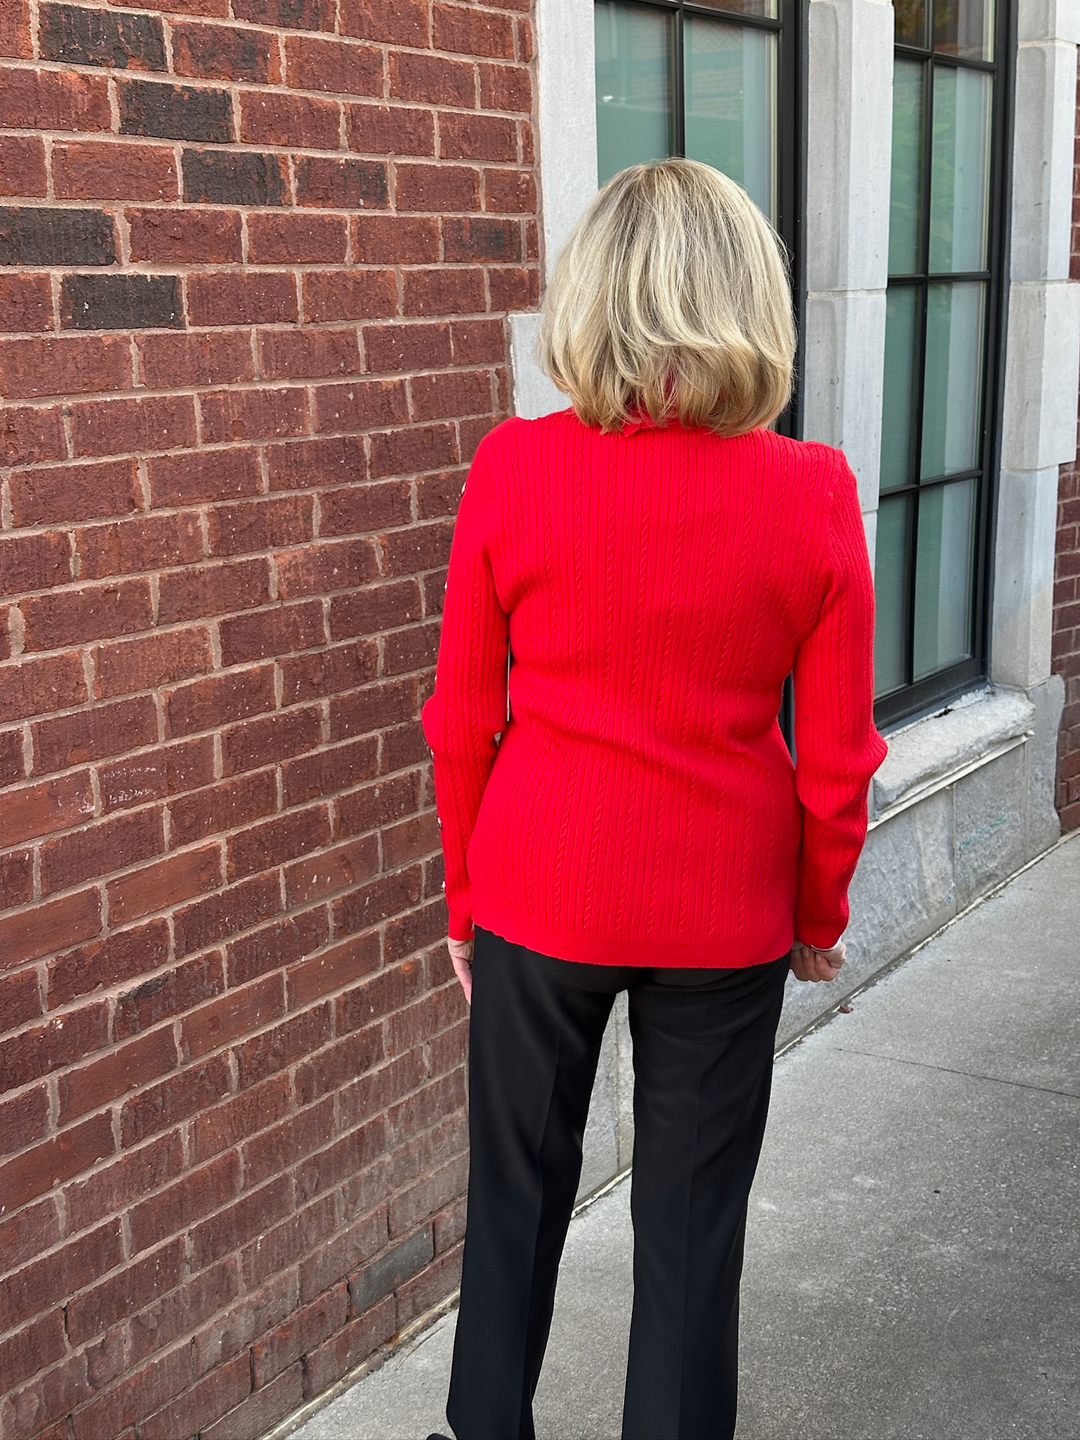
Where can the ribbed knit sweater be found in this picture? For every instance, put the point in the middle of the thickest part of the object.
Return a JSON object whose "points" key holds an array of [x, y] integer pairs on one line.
{"points": [[650, 591]]}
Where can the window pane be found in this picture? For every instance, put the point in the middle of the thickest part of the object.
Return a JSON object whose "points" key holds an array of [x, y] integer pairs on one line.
{"points": [[767, 8], [633, 86], [960, 173], [910, 22], [965, 27], [905, 208], [729, 103], [891, 570], [897, 417], [943, 576], [952, 388]]}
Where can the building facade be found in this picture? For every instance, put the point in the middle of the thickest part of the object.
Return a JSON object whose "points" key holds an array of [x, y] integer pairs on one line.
{"points": [[269, 269]]}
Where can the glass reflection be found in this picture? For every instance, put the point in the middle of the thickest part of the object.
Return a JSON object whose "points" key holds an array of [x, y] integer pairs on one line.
{"points": [[910, 22], [633, 86], [898, 403], [892, 566], [943, 576], [965, 28], [960, 170], [905, 194], [730, 80], [765, 8], [952, 386]]}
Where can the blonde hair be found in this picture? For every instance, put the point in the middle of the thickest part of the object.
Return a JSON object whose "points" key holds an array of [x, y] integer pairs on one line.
{"points": [[671, 298]]}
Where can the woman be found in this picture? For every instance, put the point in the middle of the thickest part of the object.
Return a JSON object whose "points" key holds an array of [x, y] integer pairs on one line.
{"points": [[653, 562]]}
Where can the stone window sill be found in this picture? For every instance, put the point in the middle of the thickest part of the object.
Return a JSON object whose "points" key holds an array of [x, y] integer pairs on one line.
{"points": [[932, 753]]}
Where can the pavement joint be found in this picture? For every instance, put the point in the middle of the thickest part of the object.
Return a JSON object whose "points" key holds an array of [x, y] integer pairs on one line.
{"points": [[952, 1070]]}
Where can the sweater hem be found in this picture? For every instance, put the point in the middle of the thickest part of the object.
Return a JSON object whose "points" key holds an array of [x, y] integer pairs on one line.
{"points": [[661, 954]]}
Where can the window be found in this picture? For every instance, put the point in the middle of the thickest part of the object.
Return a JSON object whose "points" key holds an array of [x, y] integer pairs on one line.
{"points": [[941, 351]]}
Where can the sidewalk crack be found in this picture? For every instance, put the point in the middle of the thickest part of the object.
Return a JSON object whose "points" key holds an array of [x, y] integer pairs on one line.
{"points": [[952, 1070]]}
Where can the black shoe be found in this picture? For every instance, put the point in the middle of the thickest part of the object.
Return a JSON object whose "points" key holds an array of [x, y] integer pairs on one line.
{"points": [[438, 1437]]}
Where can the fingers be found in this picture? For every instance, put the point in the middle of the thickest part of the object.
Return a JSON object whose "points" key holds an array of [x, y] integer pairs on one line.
{"points": [[813, 966]]}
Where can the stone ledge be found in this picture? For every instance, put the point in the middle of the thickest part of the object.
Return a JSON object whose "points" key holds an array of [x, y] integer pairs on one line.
{"points": [[937, 750]]}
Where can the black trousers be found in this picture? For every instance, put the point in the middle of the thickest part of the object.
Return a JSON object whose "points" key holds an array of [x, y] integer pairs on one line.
{"points": [[703, 1044]]}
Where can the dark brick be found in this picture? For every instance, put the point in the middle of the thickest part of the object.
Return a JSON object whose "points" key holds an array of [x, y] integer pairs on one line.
{"points": [[101, 37], [294, 14], [176, 112], [223, 177], [391, 1270], [42, 235], [120, 302]]}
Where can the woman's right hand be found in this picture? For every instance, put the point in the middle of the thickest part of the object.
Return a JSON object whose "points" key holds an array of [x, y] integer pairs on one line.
{"points": [[816, 965]]}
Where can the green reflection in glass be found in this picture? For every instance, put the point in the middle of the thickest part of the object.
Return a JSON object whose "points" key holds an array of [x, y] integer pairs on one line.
{"points": [[898, 402], [907, 166], [745, 7], [943, 578], [960, 170], [730, 82], [965, 28], [952, 387], [633, 86], [910, 22], [891, 570]]}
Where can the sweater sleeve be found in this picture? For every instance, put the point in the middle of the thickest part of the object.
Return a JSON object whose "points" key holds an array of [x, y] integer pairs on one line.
{"points": [[468, 708], [837, 748]]}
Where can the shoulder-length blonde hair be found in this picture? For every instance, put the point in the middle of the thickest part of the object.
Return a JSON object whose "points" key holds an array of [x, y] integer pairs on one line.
{"points": [[671, 298]]}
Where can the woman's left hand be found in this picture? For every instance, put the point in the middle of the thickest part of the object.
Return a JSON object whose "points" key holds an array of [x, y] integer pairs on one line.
{"points": [[814, 965], [461, 952]]}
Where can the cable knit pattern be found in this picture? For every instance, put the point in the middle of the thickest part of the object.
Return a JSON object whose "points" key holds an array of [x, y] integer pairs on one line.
{"points": [[651, 590]]}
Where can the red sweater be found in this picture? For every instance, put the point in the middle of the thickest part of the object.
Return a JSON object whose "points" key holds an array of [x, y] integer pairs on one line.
{"points": [[652, 589]]}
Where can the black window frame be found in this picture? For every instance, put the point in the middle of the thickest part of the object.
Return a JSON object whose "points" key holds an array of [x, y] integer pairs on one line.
{"points": [[926, 696]]}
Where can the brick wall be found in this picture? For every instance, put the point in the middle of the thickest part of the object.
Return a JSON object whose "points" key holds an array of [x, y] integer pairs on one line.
{"points": [[1066, 660], [254, 261]]}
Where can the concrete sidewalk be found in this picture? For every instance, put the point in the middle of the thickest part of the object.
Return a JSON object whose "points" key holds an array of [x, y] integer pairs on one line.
{"points": [[912, 1263]]}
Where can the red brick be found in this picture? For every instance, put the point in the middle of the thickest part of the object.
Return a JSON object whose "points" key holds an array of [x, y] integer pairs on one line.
{"points": [[15, 36], [167, 770], [337, 66], [105, 170], [279, 1148], [338, 967], [29, 435], [236, 1013], [132, 547], [164, 884], [94, 734], [64, 365], [33, 1348], [282, 943], [161, 1106], [477, 341], [74, 492], [26, 302], [53, 100], [360, 405], [297, 121], [341, 184], [360, 509], [391, 130], [338, 1065], [444, 292], [22, 166], [119, 1073], [19, 993], [107, 962], [96, 850], [463, 392], [510, 192], [297, 1235], [226, 913], [244, 1115], [325, 773], [481, 238], [477, 137], [302, 1332], [407, 451], [328, 672], [30, 934], [370, 905], [271, 739], [352, 295], [413, 838], [260, 1412], [243, 1219], [400, 22], [316, 463], [299, 14], [472, 31], [93, 613], [155, 660], [350, 1346], [113, 427], [213, 590], [39, 1286], [253, 414], [373, 708], [171, 237], [218, 699], [194, 1195], [259, 298], [300, 239], [139, 1283], [182, 479], [347, 864], [167, 994], [222, 52], [439, 1280], [150, 1386], [220, 358], [437, 188], [52, 1161], [315, 354], [513, 288], [276, 841], [34, 562], [261, 634], [506, 87], [260, 525], [16, 879], [438, 495], [408, 347], [281, 1047], [432, 80], [198, 1408], [225, 806]]}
